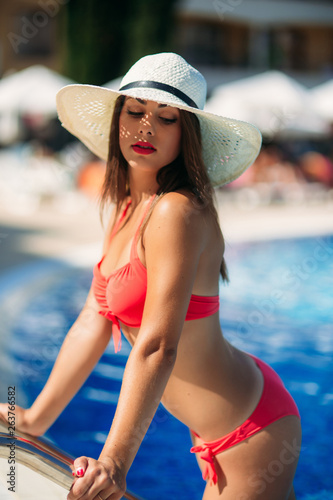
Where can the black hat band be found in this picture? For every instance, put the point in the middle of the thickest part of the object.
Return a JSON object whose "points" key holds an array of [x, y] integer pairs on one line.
{"points": [[150, 84]]}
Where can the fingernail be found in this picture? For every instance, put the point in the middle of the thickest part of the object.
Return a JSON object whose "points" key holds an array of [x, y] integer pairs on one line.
{"points": [[79, 472], [73, 473]]}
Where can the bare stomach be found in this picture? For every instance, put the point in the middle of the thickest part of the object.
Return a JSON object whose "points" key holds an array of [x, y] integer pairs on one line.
{"points": [[214, 412], [213, 387]]}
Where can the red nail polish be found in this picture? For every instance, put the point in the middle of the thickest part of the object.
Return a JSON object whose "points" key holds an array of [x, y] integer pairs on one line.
{"points": [[79, 472], [73, 473]]}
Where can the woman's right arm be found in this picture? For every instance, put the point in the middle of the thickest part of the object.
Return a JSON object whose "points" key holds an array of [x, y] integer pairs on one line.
{"points": [[83, 346]]}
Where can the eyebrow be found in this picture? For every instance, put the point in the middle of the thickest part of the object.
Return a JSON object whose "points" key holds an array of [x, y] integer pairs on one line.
{"points": [[143, 101]]}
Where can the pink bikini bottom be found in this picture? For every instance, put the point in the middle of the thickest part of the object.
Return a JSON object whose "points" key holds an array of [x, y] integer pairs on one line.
{"points": [[275, 403]]}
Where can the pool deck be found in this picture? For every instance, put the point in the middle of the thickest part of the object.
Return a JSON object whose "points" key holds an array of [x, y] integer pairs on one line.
{"points": [[276, 221], [74, 234]]}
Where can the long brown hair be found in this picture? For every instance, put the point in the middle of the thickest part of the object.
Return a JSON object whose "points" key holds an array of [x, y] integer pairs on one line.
{"points": [[187, 171]]}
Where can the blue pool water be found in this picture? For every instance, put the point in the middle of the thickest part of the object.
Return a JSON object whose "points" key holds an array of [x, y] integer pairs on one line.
{"points": [[279, 306]]}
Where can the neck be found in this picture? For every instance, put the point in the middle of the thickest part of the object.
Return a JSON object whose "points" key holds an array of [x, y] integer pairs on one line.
{"points": [[142, 186]]}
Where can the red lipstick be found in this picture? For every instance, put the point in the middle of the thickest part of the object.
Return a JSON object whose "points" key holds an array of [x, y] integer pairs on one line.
{"points": [[143, 148]]}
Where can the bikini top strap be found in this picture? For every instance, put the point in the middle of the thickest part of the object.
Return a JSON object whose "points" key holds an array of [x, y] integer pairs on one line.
{"points": [[137, 232], [117, 224]]}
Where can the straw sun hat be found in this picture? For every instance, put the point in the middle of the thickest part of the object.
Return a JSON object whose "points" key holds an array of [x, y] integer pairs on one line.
{"points": [[229, 146]]}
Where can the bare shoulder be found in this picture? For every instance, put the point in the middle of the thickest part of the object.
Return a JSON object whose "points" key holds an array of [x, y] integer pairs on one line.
{"points": [[181, 222], [180, 208]]}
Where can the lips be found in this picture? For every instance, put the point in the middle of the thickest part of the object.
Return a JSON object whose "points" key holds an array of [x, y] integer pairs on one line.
{"points": [[143, 148]]}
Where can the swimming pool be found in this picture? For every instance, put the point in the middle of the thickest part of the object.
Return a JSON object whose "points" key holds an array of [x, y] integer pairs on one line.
{"points": [[278, 307]]}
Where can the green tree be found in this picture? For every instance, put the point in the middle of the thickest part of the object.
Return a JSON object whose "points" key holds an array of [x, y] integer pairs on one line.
{"points": [[150, 29], [102, 38]]}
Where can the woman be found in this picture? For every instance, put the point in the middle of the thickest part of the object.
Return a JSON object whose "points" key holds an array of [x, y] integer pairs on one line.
{"points": [[158, 280]]}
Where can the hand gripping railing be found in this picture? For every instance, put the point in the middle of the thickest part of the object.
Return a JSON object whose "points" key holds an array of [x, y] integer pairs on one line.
{"points": [[42, 457]]}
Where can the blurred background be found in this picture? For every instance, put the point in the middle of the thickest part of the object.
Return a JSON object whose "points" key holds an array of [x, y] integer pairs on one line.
{"points": [[269, 62]]}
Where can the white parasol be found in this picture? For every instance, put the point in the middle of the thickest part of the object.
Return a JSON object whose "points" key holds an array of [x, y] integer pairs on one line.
{"points": [[31, 91], [322, 99], [277, 104]]}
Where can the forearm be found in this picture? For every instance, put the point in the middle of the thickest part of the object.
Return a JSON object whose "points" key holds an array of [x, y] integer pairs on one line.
{"points": [[82, 348], [144, 381]]}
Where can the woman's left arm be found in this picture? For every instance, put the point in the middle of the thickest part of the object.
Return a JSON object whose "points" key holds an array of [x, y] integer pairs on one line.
{"points": [[174, 240]]}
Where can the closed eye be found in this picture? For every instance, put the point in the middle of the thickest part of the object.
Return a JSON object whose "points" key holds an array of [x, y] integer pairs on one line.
{"points": [[168, 120], [134, 113], [139, 114]]}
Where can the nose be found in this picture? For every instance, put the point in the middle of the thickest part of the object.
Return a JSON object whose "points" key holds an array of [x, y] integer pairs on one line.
{"points": [[146, 125]]}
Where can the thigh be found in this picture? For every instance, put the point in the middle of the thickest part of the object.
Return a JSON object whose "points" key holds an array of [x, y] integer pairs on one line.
{"points": [[260, 467]]}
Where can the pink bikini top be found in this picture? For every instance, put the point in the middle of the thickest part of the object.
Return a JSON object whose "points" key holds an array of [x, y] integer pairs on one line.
{"points": [[122, 294]]}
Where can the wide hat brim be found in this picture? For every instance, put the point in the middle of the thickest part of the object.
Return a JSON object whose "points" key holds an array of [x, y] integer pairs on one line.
{"points": [[229, 146]]}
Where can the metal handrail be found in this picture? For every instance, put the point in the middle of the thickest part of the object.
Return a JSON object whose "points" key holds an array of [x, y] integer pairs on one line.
{"points": [[42, 457]]}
